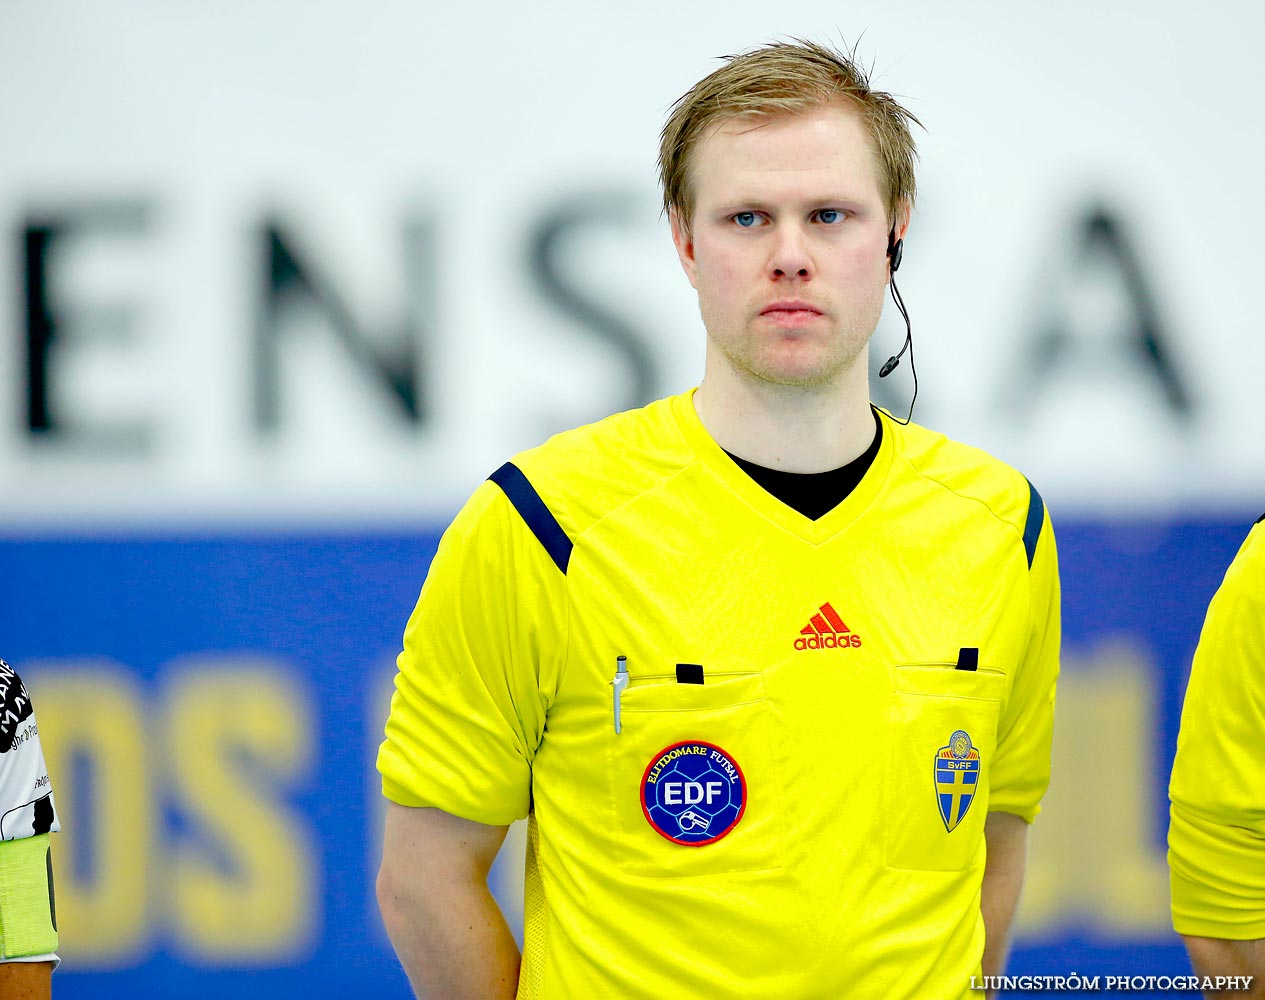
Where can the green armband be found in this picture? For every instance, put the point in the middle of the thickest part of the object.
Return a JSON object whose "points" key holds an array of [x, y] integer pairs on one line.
{"points": [[28, 916]]}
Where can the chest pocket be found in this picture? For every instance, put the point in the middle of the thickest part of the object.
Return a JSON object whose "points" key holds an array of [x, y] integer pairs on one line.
{"points": [[704, 754], [944, 735]]}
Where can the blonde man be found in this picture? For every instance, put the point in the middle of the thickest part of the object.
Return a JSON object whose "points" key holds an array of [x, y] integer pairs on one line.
{"points": [[770, 673]]}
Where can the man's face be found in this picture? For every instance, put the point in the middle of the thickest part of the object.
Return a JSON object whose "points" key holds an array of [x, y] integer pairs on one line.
{"points": [[788, 249]]}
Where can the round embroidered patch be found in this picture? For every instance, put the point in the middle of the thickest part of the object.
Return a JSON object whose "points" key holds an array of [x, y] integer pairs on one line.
{"points": [[693, 793]]}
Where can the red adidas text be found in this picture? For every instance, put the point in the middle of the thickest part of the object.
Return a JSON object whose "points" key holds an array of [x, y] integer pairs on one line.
{"points": [[826, 630]]}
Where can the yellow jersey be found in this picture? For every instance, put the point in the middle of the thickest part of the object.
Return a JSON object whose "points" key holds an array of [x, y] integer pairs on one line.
{"points": [[1216, 835], [756, 750]]}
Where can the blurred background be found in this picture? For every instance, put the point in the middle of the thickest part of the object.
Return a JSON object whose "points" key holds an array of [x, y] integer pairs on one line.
{"points": [[281, 283]]}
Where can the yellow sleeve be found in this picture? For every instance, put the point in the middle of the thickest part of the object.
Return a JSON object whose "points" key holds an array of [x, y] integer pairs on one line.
{"points": [[1021, 768], [1216, 836], [483, 652], [28, 922]]}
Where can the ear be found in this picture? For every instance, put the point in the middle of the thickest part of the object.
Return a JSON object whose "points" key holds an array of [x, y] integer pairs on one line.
{"points": [[895, 239], [901, 225], [684, 244]]}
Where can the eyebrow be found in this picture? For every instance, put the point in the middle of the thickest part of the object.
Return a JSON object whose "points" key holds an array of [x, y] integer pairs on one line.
{"points": [[761, 205]]}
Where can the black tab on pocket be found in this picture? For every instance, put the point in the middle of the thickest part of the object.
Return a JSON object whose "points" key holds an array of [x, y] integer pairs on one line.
{"points": [[968, 658], [689, 673]]}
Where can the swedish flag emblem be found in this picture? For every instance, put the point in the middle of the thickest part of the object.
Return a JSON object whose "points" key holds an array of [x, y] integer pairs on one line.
{"points": [[957, 778]]}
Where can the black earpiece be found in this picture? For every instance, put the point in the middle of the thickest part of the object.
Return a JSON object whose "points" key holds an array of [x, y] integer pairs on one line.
{"points": [[894, 249]]}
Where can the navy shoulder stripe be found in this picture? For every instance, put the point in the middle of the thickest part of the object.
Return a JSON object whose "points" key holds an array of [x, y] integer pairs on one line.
{"points": [[1260, 519], [509, 477], [1032, 528]]}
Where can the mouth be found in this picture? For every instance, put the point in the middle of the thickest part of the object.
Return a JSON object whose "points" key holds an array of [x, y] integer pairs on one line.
{"points": [[791, 313]]}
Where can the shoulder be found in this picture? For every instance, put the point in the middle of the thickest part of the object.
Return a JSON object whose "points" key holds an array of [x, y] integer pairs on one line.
{"points": [[582, 475], [966, 472], [15, 707], [1248, 568], [26, 802], [971, 475]]}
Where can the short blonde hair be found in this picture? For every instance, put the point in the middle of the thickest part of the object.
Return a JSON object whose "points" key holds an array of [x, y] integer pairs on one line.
{"points": [[786, 78]]}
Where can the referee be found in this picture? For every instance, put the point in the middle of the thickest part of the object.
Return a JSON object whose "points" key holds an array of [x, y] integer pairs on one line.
{"points": [[769, 672], [1216, 837]]}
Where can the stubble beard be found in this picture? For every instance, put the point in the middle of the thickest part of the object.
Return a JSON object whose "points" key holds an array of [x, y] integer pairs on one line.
{"points": [[818, 362]]}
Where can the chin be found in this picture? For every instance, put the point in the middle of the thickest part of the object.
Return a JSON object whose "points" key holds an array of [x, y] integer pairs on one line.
{"points": [[797, 376], [807, 370]]}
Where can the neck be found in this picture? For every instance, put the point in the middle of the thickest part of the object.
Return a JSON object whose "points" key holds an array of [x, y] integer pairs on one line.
{"points": [[792, 428]]}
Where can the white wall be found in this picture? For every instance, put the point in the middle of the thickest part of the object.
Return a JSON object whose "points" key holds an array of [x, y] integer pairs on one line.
{"points": [[470, 126]]}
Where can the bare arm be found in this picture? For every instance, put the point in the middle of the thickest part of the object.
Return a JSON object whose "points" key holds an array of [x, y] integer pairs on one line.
{"points": [[1219, 957], [26, 980], [1007, 838], [447, 930]]}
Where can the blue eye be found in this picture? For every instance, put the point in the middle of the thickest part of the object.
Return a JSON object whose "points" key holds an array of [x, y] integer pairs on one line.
{"points": [[829, 215], [745, 219]]}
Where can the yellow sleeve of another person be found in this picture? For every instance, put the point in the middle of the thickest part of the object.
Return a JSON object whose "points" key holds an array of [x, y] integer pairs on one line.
{"points": [[1217, 828]]}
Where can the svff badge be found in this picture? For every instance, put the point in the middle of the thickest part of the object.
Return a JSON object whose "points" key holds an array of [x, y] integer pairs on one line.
{"points": [[957, 773], [693, 793]]}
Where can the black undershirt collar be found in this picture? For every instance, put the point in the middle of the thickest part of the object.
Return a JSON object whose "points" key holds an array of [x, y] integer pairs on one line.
{"points": [[814, 494]]}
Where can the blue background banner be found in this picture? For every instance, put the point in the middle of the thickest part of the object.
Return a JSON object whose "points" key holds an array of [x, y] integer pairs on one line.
{"points": [[210, 705]]}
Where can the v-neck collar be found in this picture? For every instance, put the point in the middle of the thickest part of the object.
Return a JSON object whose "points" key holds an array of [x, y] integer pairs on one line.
{"points": [[764, 503]]}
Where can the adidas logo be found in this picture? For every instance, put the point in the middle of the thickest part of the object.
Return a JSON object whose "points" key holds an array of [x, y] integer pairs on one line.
{"points": [[826, 630]]}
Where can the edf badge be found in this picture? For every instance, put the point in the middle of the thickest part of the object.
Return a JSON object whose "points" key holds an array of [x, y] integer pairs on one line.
{"points": [[693, 793], [957, 778]]}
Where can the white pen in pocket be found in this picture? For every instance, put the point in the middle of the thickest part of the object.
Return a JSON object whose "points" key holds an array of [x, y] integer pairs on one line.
{"points": [[618, 684]]}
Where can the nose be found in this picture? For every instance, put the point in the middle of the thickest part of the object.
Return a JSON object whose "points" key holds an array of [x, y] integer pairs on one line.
{"points": [[790, 256]]}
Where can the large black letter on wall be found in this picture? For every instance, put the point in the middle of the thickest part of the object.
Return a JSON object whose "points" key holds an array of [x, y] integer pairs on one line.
{"points": [[1102, 248], [291, 277], [52, 324], [548, 267]]}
